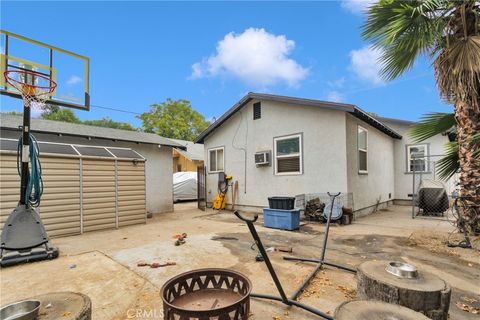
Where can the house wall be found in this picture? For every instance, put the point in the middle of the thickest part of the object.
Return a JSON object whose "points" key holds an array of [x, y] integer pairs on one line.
{"points": [[378, 184], [403, 178], [158, 170], [324, 152]]}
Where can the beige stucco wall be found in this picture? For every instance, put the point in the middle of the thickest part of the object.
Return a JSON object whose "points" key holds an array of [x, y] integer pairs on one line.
{"points": [[378, 184], [404, 179], [158, 170], [324, 152]]}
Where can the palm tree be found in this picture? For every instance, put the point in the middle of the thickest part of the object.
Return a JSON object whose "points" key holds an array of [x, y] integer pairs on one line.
{"points": [[448, 32]]}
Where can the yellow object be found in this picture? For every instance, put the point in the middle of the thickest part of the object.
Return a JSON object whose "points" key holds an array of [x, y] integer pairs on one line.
{"points": [[221, 199], [219, 202]]}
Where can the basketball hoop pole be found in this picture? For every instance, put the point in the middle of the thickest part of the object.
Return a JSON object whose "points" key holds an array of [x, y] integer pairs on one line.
{"points": [[25, 153]]}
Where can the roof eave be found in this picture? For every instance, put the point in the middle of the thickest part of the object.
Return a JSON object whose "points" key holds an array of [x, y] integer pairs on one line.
{"points": [[173, 145]]}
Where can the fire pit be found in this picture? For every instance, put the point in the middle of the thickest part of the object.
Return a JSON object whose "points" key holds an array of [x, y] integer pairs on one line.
{"points": [[207, 294]]}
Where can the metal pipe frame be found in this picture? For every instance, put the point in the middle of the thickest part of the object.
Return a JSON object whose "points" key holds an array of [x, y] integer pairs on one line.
{"points": [[320, 262], [283, 297]]}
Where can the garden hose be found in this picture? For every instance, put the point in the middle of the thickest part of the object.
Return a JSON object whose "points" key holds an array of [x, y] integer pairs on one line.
{"points": [[34, 189]]}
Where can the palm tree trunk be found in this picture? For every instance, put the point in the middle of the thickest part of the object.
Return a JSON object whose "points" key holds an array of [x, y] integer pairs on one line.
{"points": [[468, 123]]}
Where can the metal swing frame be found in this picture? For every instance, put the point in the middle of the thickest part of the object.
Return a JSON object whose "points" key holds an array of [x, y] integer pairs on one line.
{"points": [[292, 301]]}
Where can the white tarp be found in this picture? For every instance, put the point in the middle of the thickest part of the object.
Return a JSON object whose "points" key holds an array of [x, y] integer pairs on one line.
{"points": [[184, 186]]}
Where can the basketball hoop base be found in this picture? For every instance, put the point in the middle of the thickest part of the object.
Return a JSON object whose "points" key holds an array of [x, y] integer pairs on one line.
{"points": [[24, 238]]}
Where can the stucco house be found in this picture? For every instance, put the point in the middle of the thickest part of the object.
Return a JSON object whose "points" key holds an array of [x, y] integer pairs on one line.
{"points": [[94, 177], [313, 146]]}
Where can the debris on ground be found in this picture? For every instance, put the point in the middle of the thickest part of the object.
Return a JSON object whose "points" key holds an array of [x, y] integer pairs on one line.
{"points": [[349, 293], [467, 308], [223, 238], [180, 238], [436, 241], [72, 266], [314, 209], [154, 265]]}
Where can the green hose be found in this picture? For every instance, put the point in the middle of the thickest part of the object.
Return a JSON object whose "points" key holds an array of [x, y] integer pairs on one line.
{"points": [[34, 190]]}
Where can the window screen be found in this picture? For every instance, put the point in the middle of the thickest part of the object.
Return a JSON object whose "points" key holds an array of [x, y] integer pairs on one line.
{"points": [[362, 146], [216, 160], [288, 155], [257, 110], [416, 158]]}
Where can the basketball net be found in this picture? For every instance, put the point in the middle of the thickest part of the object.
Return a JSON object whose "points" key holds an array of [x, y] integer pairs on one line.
{"points": [[35, 88]]}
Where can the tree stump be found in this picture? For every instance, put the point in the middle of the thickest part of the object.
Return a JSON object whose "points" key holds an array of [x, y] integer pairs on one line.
{"points": [[64, 305], [426, 293], [375, 310]]}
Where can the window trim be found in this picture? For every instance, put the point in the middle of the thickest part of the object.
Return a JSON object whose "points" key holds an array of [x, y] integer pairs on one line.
{"points": [[299, 154], [209, 166], [408, 158], [359, 127]]}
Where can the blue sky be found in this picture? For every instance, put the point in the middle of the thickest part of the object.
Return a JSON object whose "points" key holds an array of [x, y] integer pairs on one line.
{"points": [[212, 53]]}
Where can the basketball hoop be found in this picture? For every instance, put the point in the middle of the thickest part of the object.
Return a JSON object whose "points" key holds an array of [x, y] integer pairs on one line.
{"points": [[35, 87]]}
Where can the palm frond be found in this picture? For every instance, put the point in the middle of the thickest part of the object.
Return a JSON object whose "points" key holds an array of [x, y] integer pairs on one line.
{"points": [[432, 124], [450, 163], [403, 30]]}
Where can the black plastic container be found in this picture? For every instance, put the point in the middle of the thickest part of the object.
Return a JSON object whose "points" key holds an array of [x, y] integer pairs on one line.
{"points": [[283, 203]]}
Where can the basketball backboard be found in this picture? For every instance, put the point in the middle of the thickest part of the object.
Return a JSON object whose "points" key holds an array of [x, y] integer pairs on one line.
{"points": [[69, 70]]}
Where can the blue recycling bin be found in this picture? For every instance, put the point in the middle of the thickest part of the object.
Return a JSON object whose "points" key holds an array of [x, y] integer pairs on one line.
{"points": [[281, 219]]}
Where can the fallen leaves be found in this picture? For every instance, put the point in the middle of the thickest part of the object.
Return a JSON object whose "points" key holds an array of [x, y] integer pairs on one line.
{"points": [[467, 308]]}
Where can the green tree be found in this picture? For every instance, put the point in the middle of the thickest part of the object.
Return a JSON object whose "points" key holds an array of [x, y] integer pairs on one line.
{"points": [[61, 114], [448, 32], [174, 119], [109, 123]]}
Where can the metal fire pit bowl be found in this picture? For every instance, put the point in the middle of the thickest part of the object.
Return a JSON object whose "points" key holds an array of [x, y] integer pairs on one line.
{"points": [[402, 270], [22, 310], [207, 294]]}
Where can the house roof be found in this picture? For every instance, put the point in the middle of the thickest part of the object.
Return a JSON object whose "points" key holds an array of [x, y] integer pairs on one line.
{"points": [[13, 122], [194, 150], [350, 108], [396, 121]]}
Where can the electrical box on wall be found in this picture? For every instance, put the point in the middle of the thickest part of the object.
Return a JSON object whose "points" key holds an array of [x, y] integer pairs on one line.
{"points": [[262, 158]]}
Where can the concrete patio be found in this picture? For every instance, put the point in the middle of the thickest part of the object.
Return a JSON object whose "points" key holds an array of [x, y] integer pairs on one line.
{"points": [[103, 265]]}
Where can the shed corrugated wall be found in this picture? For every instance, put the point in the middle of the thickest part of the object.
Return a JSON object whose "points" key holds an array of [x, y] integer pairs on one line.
{"points": [[80, 194]]}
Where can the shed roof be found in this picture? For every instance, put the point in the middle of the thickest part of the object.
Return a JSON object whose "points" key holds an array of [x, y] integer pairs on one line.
{"points": [[194, 150], [350, 108], [13, 122]]}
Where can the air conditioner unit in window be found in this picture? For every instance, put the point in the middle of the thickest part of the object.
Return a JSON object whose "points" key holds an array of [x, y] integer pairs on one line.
{"points": [[262, 158]]}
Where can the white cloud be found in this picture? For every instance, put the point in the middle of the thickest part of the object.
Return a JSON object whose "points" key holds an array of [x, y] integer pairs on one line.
{"points": [[256, 57], [357, 6], [335, 96], [74, 80], [365, 64], [337, 83]]}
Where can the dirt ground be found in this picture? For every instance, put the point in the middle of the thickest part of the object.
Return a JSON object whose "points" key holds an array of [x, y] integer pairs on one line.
{"points": [[103, 265]]}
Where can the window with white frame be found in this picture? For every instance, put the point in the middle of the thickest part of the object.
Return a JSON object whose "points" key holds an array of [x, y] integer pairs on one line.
{"points": [[216, 159], [417, 158], [288, 154], [362, 146]]}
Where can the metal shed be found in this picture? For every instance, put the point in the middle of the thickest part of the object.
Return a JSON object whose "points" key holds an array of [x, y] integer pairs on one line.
{"points": [[86, 188]]}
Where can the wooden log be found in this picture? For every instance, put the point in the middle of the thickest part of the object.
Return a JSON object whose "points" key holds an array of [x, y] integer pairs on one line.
{"points": [[375, 310], [65, 306], [427, 293]]}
